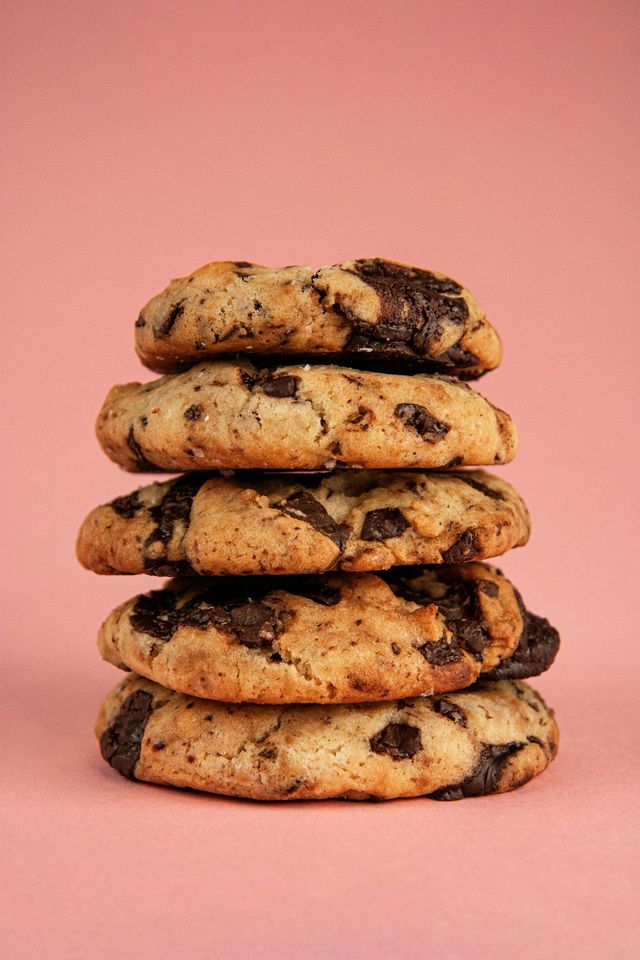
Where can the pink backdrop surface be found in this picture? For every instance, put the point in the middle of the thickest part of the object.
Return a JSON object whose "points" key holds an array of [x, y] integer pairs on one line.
{"points": [[497, 142]]}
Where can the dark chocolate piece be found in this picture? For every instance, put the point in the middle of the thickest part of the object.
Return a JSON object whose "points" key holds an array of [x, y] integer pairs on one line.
{"points": [[304, 506], [385, 524], [400, 741], [419, 419], [120, 744], [486, 777]]}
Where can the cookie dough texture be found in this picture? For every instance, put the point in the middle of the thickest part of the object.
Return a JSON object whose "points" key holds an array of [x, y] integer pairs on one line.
{"points": [[341, 638], [356, 312], [489, 739], [231, 414], [354, 520]]}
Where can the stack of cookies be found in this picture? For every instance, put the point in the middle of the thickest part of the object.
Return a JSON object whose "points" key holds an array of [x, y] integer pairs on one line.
{"points": [[331, 628]]}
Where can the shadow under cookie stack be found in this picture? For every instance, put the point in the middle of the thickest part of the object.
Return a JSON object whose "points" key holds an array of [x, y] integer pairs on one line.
{"points": [[331, 629]]}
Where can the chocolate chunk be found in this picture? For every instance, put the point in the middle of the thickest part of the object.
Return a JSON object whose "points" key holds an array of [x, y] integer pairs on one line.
{"points": [[440, 653], [142, 463], [400, 741], [486, 777], [470, 634], [465, 548], [415, 308], [419, 419], [280, 387], [478, 485], [194, 412], [156, 615], [269, 753], [140, 322], [247, 379], [224, 607], [534, 654], [385, 524], [254, 624], [120, 744], [449, 710], [164, 328], [303, 506], [455, 356], [175, 507], [395, 648], [128, 506]]}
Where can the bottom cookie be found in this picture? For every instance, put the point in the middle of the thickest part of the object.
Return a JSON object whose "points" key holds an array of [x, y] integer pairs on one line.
{"points": [[491, 738]]}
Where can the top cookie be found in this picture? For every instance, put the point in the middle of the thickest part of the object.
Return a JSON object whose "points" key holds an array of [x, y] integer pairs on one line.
{"points": [[358, 313]]}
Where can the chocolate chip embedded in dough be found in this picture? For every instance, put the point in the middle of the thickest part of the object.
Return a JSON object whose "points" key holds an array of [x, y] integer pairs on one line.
{"points": [[450, 710], [280, 387], [128, 506], [166, 324], [384, 524], [194, 412], [419, 419], [479, 486], [465, 548], [121, 742], [304, 506], [440, 653], [400, 741], [486, 777]]}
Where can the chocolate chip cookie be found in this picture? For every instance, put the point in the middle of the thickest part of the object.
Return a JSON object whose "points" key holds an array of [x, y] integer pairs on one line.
{"points": [[359, 313], [354, 520], [341, 638], [233, 415], [490, 738]]}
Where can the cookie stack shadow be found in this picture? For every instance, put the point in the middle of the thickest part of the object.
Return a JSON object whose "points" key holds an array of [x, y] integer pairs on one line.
{"points": [[331, 628]]}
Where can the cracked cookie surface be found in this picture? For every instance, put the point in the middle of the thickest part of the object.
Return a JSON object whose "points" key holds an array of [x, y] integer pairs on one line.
{"points": [[227, 414], [360, 312], [355, 520], [339, 638], [491, 738]]}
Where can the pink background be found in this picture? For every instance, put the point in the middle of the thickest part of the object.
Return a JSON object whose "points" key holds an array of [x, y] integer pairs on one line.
{"points": [[497, 142]]}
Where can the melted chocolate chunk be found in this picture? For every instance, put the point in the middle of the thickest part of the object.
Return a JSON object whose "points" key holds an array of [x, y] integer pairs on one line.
{"points": [[128, 506], [385, 524], [419, 419], [449, 710], [415, 308], [247, 379], [284, 386], [471, 634], [486, 777], [252, 622], [303, 506], [400, 741], [465, 548], [534, 654], [440, 653], [120, 744], [455, 356], [175, 507], [478, 485], [194, 412], [164, 328], [142, 463]]}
